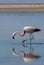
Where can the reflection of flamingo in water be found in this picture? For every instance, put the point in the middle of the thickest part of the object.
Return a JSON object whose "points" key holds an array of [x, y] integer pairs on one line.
{"points": [[26, 57], [27, 29]]}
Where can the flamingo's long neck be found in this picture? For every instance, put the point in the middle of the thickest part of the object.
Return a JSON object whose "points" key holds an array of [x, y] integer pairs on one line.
{"points": [[22, 34]]}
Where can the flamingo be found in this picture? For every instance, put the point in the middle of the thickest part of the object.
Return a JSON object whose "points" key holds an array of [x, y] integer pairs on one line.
{"points": [[26, 29], [29, 30]]}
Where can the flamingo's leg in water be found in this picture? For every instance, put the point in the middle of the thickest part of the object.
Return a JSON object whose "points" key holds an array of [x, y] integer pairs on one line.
{"points": [[31, 38], [27, 40]]}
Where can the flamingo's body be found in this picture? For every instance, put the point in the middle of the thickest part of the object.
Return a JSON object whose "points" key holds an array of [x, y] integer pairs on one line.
{"points": [[27, 29]]}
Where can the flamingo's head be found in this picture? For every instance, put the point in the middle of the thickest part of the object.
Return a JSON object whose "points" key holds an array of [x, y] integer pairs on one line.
{"points": [[14, 34]]}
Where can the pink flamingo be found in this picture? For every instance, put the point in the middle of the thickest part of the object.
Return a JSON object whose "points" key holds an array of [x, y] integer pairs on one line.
{"points": [[27, 29]]}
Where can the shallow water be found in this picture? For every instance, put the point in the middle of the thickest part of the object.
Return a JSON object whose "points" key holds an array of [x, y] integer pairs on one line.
{"points": [[7, 58], [15, 22]]}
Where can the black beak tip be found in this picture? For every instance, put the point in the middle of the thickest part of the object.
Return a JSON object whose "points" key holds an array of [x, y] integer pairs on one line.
{"points": [[13, 37]]}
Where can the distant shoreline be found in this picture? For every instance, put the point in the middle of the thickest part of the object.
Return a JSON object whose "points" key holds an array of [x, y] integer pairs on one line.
{"points": [[21, 3], [21, 7]]}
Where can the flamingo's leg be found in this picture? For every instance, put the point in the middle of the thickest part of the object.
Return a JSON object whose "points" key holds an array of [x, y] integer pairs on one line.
{"points": [[31, 38]]}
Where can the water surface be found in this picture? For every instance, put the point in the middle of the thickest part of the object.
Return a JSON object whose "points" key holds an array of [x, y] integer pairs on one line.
{"points": [[15, 22]]}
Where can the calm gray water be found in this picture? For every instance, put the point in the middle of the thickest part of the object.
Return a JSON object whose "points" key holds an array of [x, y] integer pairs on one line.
{"points": [[15, 22]]}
